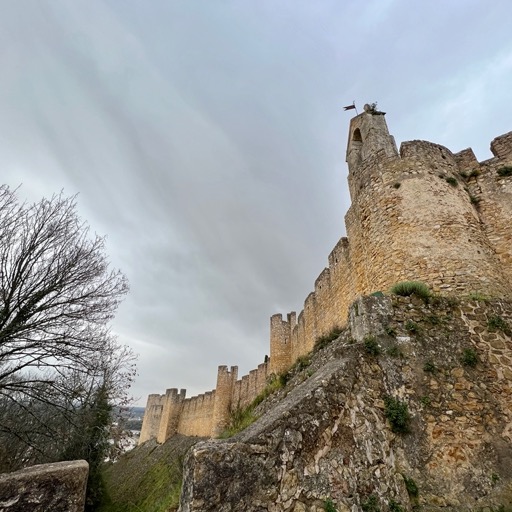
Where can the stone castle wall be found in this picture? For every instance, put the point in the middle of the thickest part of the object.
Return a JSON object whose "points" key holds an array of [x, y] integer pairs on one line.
{"points": [[419, 214], [205, 415], [423, 214]]}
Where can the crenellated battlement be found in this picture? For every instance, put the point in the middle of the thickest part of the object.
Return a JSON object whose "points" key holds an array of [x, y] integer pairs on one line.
{"points": [[421, 214], [501, 147]]}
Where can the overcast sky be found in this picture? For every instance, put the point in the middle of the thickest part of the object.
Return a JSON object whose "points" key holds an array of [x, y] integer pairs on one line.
{"points": [[207, 140]]}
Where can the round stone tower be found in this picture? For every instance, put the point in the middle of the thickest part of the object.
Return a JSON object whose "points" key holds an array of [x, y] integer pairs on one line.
{"points": [[412, 218]]}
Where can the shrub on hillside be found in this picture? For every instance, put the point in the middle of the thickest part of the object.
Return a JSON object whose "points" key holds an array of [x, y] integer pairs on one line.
{"points": [[322, 341], [397, 414], [371, 346]]}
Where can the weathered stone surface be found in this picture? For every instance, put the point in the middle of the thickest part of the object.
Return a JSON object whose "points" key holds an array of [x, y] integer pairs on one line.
{"points": [[58, 487], [326, 436]]}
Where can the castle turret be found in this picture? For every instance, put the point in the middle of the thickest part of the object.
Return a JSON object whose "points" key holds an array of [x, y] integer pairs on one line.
{"points": [[412, 218], [172, 405], [223, 398], [152, 418], [280, 346], [368, 141]]}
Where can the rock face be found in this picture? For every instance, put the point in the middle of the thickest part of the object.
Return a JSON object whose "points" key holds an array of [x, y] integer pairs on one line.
{"points": [[58, 487], [411, 406]]}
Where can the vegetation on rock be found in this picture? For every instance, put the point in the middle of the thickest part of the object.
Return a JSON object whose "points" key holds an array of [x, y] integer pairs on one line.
{"points": [[469, 357], [322, 341], [505, 171], [408, 288], [397, 413], [371, 346], [497, 323]]}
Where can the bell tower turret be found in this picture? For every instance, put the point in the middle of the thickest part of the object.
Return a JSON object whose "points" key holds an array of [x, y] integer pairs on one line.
{"points": [[368, 140]]}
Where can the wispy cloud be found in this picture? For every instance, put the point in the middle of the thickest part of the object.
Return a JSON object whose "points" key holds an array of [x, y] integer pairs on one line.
{"points": [[207, 140]]}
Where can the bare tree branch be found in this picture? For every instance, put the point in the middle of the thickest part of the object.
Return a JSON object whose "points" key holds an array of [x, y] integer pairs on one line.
{"points": [[57, 295]]}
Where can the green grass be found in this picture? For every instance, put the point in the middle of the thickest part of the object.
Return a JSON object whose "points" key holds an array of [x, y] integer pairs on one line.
{"points": [[474, 200], [433, 319], [158, 491], [301, 363], [240, 419], [408, 288], [412, 327], [274, 384], [412, 488], [480, 297], [450, 302], [394, 351], [394, 506], [425, 401], [390, 331], [429, 367], [147, 478], [452, 181]]}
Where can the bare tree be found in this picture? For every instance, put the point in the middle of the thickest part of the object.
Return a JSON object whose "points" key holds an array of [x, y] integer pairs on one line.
{"points": [[57, 295]]}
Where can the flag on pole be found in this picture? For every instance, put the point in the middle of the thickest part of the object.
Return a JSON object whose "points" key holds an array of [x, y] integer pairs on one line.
{"points": [[349, 107]]}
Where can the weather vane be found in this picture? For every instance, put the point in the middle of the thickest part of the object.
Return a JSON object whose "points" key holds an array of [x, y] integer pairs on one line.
{"points": [[351, 107]]}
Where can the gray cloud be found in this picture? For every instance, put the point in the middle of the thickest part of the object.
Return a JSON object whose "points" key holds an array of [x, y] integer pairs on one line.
{"points": [[207, 140]]}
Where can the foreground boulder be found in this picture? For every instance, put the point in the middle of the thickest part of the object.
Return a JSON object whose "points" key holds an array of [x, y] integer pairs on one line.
{"points": [[57, 487]]}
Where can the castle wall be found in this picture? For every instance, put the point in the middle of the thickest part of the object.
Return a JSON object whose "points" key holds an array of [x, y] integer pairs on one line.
{"points": [[501, 147], [342, 284], [205, 415], [492, 197], [327, 307], [249, 387], [424, 214], [197, 415]]}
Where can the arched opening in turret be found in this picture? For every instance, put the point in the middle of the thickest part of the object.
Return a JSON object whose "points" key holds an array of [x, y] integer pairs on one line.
{"points": [[356, 136], [354, 150]]}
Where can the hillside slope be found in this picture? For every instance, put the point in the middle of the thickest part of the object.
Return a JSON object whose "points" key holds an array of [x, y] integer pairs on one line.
{"points": [[148, 478]]}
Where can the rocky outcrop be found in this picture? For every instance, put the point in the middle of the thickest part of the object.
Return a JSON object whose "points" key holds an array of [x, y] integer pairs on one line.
{"points": [[58, 487], [416, 411]]}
